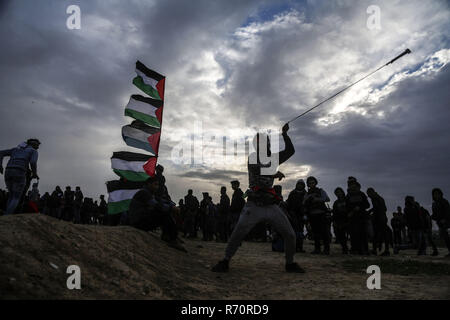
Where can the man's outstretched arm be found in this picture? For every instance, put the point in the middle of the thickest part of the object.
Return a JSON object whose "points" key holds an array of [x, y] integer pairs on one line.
{"points": [[289, 147]]}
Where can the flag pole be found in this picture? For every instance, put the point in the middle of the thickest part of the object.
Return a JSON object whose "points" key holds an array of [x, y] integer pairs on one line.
{"points": [[351, 85]]}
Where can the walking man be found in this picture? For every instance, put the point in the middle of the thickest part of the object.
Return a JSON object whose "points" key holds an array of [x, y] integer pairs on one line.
{"points": [[22, 157]]}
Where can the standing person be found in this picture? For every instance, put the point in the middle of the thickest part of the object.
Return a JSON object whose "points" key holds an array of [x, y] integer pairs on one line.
{"points": [[428, 232], [379, 220], [181, 218], [22, 157], [277, 239], [396, 224], [223, 218], [78, 202], [441, 214], [340, 219], [402, 222], [316, 210], [34, 194], [103, 210], [357, 204], [210, 220], [85, 212], [261, 204], [68, 204], [55, 202], [415, 222], [191, 203], [43, 204], [33, 199], [95, 213], [202, 214], [295, 208], [237, 204]]}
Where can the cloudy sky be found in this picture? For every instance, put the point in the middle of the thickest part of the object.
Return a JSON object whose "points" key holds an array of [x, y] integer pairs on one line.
{"points": [[232, 67]]}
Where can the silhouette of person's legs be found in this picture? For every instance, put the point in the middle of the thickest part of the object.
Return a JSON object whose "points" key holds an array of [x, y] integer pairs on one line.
{"points": [[276, 218], [15, 182], [250, 216]]}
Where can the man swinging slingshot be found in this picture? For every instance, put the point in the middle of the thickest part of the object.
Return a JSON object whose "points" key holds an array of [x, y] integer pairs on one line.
{"points": [[261, 202]]}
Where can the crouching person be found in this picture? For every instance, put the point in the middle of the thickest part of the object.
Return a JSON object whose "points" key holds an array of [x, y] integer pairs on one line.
{"points": [[147, 212]]}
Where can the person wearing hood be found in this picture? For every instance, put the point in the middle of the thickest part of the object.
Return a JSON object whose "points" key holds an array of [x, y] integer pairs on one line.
{"points": [[22, 157]]}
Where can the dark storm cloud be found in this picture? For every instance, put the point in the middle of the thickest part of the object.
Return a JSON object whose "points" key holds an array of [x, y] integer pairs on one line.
{"points": [[69, 87], [405, 152]]}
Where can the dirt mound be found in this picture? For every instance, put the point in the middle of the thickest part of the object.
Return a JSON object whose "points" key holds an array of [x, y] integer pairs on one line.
{"points": [[125, 263]]}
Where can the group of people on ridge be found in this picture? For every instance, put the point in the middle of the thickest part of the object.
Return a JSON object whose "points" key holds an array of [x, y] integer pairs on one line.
{"points": [[354, 219]]}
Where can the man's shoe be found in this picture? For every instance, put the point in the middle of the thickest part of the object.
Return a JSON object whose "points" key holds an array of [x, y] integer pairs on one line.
{"points": [[294, 268], [385, 254], [435, 253], [315, 252], [221, 266]]}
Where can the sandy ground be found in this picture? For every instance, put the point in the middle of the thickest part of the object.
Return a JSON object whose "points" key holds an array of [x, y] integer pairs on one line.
{"points": [[125, 263]]}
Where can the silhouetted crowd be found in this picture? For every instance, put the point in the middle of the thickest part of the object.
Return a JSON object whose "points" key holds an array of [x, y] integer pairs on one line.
{"points": [[68, 205], [360, 226], [358, 220]]}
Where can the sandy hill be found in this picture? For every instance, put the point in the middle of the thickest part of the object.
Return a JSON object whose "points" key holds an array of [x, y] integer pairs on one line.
{"points": [[125, 263]]}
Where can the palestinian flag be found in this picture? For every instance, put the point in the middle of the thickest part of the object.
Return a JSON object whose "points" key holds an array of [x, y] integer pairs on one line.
{"points": [[150, 166], [149, 81], [141, 136], [147, 110], [130, 165], [120, 194]]}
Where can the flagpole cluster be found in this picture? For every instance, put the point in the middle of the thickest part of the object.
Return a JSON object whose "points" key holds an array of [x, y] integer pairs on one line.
{"points": [[144, 133]]}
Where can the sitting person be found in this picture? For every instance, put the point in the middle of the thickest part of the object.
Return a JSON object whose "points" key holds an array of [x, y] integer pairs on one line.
{"points": [[147, 212]]}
